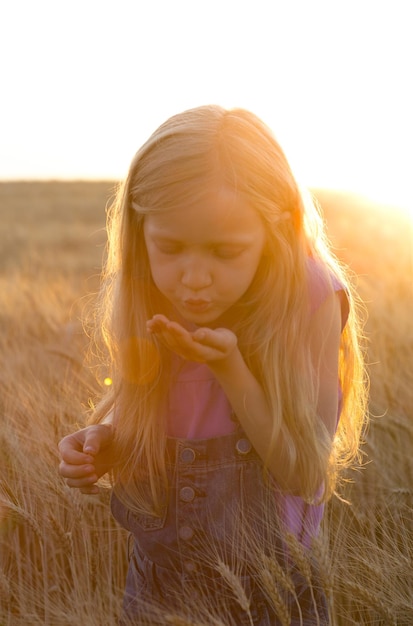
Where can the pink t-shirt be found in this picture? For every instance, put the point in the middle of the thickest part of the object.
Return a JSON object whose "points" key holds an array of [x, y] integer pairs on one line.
{"points": [[197, 406], [199, 409]]}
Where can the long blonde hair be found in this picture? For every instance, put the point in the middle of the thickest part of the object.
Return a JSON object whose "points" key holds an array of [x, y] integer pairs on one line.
{"points": [[178, 164]]}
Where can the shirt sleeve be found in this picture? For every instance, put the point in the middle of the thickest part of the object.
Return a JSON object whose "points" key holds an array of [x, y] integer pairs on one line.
{"points": [[321, 284]]}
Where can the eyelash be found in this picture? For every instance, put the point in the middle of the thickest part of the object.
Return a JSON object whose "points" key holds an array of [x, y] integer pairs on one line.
{"points": [[170, 250], [220, 253], [227, 254]]}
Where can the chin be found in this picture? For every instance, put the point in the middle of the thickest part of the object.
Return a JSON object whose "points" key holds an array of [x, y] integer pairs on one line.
{"points": [[222, 320], [210, 321]]}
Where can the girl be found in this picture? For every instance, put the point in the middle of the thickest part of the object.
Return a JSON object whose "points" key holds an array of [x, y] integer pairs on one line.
{"points": [[233, 342]]}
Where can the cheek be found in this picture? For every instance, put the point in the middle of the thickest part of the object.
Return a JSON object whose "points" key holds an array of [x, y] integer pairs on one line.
{"points": [[252, 270], [255, 261], [242, 277], [162, 273]]}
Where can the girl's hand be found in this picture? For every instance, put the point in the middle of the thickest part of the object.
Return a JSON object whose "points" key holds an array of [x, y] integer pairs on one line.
{"points": [[86, 456], [203, 345]]}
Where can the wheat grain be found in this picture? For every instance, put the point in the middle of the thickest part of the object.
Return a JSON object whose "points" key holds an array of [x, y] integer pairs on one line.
{"points": [[65, 537], [234, 583], [275, 597], [299, 556], [277, 572], [325, 573]]}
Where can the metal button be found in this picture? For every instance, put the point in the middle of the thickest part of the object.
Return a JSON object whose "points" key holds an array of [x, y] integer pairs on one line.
{"points": [[187, 494], [187, 455], [243, 446], [186, 533]]}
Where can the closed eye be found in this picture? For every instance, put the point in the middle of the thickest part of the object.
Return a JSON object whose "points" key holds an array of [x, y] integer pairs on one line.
{"points": [[169, 248], [228, 252]]}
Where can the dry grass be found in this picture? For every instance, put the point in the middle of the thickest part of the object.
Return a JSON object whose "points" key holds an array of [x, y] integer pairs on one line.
{"points": [[62, 559]]}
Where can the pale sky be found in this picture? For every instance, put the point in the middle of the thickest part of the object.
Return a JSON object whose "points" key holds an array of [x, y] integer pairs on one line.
{"points": [[85, 82]]}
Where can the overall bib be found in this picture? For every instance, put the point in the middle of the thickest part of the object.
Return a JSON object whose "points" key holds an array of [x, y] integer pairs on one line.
{"points": [[219, 508]]}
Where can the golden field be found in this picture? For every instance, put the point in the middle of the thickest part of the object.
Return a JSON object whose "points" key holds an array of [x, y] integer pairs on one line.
{"points": [[62, 558]]}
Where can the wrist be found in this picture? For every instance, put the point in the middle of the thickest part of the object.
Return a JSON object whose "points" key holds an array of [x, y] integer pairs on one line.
{"points": [[228, 364]]}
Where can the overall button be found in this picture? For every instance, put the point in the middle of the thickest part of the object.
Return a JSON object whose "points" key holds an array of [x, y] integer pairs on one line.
{"points": [[187, 455], [243, 446], [186, 533], [187, 494]]}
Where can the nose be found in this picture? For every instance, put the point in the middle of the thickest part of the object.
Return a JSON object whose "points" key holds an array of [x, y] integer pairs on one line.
{"points": [[196, 274]]}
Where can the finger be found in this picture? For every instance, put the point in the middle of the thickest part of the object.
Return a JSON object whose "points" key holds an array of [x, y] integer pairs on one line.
{"points": [[71, 456], [177, 335], [81, 483], [202, 336], [210, 338], [71, 448], [157, 323], [76, 471], [174, 336], [97, 438], [159, 317]]}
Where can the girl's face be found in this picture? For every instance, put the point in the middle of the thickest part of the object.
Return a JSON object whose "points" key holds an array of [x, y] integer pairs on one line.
{"points": [[203, 258]]}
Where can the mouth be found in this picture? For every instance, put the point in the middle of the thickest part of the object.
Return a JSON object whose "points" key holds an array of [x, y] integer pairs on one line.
{"points": [[196, 305]]}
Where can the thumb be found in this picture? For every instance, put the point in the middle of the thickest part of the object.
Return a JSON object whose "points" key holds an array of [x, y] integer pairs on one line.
{"points": [[96, 438]]}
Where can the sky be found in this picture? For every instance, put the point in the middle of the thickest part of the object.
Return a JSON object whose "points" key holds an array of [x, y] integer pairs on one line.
{"points": [[85, 82]]}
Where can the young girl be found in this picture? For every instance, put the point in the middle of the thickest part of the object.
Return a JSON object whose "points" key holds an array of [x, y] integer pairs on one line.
{"points": [[238, 389]]}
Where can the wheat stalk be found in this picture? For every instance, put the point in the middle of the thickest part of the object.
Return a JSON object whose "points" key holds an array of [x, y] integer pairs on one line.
{"points": [[371, 600], [277, 572], [273, 592], [320, 552], [302, 560], [236, 587], [272, 573]]}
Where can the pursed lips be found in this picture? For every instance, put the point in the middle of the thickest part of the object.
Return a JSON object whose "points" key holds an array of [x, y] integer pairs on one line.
{"points": [[196, 303]]}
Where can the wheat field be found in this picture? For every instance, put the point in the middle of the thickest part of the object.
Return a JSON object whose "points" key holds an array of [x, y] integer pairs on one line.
{"points": [[62, 558]]}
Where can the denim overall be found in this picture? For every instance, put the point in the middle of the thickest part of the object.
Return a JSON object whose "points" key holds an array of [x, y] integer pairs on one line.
{"points": [[216, 490]]}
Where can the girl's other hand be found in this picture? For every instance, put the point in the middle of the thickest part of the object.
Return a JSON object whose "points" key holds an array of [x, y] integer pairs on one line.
{"points": [[86, 456], [203, 345]]}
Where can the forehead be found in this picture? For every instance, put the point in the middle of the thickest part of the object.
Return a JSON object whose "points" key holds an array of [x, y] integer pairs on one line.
{"points": [[219, 215]]}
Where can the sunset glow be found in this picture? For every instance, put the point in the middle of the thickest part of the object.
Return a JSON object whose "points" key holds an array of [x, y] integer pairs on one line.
{"points": [[88, 82], [182, 368]]}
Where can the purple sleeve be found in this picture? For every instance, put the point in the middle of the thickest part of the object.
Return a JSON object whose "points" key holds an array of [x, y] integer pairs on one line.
{"points": [[320, 285]]}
